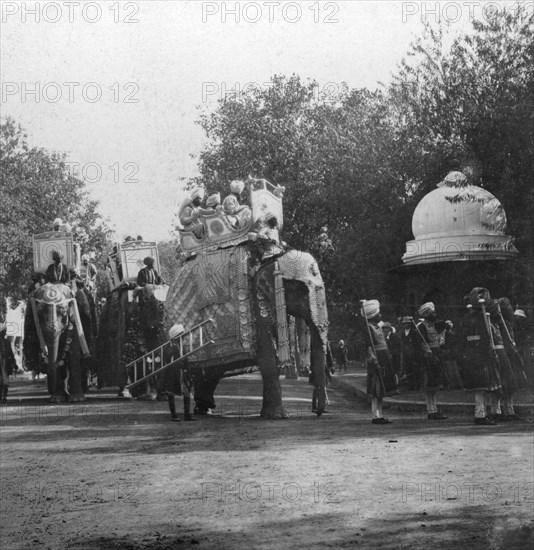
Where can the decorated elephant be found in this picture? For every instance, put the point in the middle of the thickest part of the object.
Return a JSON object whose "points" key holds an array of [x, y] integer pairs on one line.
{"points": [[249, 304], [130, 325], [55, 339]]}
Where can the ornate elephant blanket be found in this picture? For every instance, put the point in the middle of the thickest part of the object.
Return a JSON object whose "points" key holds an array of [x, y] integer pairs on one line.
{"points": [[215, 284]]}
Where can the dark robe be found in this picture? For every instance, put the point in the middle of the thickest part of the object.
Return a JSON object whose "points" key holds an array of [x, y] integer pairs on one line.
{"points": [[409, 358], [57, 274], [479, 361], [430, 356], [148, 276], [381, 380]]}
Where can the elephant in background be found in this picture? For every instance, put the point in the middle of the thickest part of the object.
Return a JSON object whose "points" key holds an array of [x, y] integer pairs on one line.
{"points": [[54, 327], [128, 329]]}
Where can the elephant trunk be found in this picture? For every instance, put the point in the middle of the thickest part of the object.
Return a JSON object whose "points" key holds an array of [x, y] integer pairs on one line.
{"points": [[53, 328]]}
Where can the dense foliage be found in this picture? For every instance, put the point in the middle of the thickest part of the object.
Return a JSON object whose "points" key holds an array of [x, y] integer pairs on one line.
{"points": [[36, 187]]}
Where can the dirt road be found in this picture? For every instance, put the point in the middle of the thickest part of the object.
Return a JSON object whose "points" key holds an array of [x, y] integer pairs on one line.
{"points": [[114, 474]]}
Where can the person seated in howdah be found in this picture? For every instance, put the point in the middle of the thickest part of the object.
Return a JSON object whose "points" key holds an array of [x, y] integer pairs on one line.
{"points": [[148, 275], [88, 272], [269, 237], [213, 204], [238, 215], [57, 272], [190, 211]]}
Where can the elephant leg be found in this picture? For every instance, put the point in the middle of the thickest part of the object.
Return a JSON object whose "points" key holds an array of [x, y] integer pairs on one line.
{"points": [[318, 365], [205, 384], [75, 372], [272, 406], [56, 387]]}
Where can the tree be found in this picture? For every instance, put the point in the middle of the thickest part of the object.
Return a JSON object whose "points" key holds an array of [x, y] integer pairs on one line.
{"points": [[36, 187], [359, 162], [472, 105]]}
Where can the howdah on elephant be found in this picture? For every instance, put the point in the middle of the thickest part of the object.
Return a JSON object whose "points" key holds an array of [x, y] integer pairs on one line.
{"points": [[54, 327]]}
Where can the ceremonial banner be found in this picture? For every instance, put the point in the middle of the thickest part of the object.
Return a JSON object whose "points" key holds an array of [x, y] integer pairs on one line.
{"points": [[132, 255], [45, 243]]}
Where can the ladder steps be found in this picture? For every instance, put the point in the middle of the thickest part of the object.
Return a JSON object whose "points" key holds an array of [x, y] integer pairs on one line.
{"points": [[186, 348]]}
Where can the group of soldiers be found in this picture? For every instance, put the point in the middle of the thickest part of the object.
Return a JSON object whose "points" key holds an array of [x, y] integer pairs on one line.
{"points": [[484, 347]]}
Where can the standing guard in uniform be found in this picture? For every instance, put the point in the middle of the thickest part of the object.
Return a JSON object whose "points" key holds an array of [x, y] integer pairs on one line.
{"points": [[342, 354], [430, 354], [380, 376], [8, 363], [409, 364], [480, 364], [511, 365]]}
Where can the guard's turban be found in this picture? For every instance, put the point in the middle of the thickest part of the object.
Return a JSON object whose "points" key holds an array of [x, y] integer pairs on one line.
{"points": [[237, 186], [85, 257], [214, 200], [175, 331], [198, 193], [520, 313], [479, 293], [341, 343], [426, 309], [57, 221], [371, 308], [149, 260], [406, 320]]}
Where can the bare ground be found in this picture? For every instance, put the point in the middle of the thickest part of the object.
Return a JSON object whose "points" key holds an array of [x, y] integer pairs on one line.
{"points": [[114, 474]]}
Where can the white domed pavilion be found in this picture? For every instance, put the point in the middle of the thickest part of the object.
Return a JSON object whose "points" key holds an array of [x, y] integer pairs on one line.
{"points": [[458, 222]]}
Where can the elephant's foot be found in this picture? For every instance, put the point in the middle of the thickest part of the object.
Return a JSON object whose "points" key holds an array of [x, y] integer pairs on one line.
{"points": [[58, 398], [275, 412], [77, 398], [201, 410]]}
